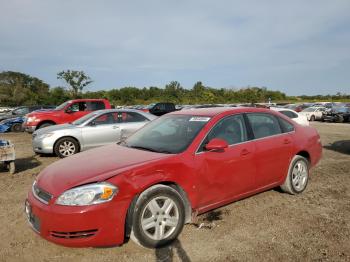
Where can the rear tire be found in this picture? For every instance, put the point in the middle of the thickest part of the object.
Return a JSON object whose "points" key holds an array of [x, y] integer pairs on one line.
{"points": [[17, 127], [158, 217], [297, 177], [66, 146]]}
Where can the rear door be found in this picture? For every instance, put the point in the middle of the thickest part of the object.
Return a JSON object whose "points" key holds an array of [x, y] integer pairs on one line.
{"points": [[273, 148], [102, 130], [130, 122]]}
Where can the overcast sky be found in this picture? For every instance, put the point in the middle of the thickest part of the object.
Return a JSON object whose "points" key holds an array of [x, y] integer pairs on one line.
{"points": [[298, 47]]}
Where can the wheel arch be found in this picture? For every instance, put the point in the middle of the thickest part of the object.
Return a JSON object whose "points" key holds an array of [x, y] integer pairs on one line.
{"points": [[45, 122], [171, 184], [305, 154]]}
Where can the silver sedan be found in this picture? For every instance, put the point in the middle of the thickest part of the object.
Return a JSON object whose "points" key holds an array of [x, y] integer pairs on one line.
{"points": [[95, 129]]}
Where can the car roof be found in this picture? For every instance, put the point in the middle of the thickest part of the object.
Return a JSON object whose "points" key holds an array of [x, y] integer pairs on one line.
{"points": [[116, 110], [87, 100], [282, 109], [213, 111]]}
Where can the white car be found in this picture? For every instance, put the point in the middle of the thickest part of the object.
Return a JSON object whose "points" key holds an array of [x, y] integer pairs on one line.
{"points": [[313, 113], [300, 119]]}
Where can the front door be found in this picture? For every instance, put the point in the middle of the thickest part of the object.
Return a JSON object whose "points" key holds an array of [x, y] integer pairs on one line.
{"points": [[228, 174], [75, 111], [102, 130]]}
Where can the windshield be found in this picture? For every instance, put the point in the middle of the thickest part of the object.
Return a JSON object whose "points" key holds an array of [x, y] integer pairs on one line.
{"points": [[168, 134], [20, 111], [62, 106], [340, 109], [150, 106], [84, 118]]}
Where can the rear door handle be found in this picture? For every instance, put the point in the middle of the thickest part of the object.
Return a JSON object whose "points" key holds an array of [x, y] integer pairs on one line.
{"points": [[244, 152]]}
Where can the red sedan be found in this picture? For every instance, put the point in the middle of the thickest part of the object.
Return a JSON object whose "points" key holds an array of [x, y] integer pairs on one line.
{"points": [[182, 164]]}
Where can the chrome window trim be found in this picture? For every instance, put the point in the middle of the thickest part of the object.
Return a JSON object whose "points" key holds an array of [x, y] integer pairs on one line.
{"points": [[255, 139], [236, 114]]}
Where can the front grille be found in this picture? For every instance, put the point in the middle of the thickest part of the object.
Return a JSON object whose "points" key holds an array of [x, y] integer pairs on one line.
{"points": [[77, 234], [40, 194]]}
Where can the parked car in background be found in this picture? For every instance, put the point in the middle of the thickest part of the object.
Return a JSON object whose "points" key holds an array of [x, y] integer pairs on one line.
{"points": [[95, 129], [297, 107], [313, 113], [295, 116], [337, 114], [22, 111], [159, 109], [4, 109], [64, 113], [11, 125], [179, 165]]}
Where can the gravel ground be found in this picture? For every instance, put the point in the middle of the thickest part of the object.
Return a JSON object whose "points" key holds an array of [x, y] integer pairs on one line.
{"points": [[313, 226]]}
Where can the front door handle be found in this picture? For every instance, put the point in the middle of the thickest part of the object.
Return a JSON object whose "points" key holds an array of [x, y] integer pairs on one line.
{"points": [[115, 127], [244, 152], [286, 141]]}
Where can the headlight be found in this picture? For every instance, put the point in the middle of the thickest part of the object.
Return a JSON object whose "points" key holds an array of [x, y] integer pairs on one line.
{"points": [[45, 135], [31, 119], [88, 195]]}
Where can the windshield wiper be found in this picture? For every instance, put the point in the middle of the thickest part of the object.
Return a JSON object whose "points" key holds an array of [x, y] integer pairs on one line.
{"points": [[143, 148], [150, 149]]}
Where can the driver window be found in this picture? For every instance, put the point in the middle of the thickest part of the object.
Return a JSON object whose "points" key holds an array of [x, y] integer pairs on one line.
{"points": [[231, 129], [76, 107], [105, 119]]}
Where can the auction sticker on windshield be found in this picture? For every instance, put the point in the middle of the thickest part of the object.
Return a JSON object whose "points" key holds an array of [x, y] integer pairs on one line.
{"points": [[200, 119]]}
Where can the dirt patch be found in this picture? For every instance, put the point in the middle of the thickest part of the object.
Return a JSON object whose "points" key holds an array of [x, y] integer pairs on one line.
{"points": [[313, 226]]}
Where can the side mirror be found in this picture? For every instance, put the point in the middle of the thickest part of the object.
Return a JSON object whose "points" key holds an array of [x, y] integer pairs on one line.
{"points": [[216, 144], [68, 111], [92, 123]]}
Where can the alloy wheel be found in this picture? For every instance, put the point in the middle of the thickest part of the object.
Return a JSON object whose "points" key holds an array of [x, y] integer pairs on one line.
{"points": [[160, 218]]}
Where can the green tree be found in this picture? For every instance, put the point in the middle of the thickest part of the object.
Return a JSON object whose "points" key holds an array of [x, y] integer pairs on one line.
{"points": [[20, 89], [76, 80]]}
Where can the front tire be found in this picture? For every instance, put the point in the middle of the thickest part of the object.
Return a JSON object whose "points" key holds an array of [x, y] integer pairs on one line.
{"points": [[298, 176], [312, 118], [65, 147], [158, 217]]}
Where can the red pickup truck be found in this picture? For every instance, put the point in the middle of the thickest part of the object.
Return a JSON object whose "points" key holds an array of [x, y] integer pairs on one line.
{"points": [[64, 113]]}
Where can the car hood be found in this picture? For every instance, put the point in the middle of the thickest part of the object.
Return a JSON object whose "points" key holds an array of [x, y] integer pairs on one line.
{"points": [[92, 166], [43, 112], [54, 128]]}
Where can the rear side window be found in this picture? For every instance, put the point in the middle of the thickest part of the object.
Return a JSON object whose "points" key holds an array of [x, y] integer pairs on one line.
{"points": [[289, 114], [96, 105], [128, 117], [286, 126], [264, 125]]}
